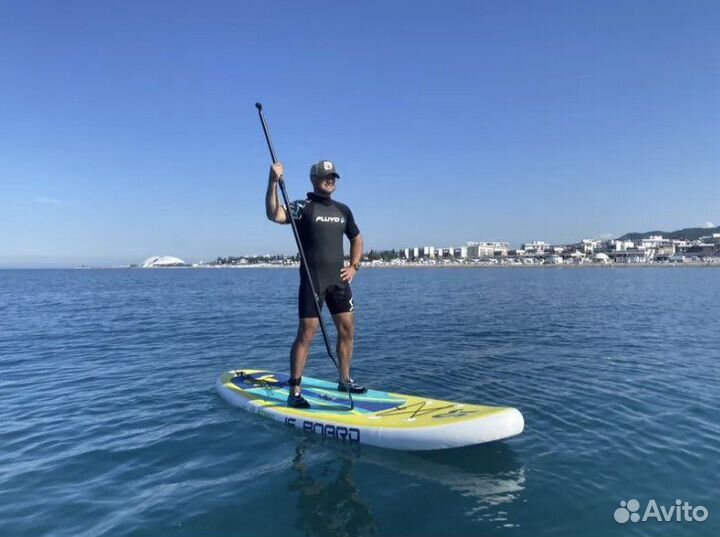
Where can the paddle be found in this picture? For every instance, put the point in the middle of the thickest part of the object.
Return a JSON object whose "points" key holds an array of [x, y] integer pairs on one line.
{"points": [[303, 260]]}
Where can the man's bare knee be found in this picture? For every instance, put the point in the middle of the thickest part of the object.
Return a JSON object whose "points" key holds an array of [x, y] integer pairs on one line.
{"points": [[306, 332], [345, 327], [347, 333]]}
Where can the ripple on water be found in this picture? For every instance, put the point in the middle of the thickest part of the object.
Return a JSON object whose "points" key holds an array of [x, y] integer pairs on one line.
{"points": [[110, 424]]}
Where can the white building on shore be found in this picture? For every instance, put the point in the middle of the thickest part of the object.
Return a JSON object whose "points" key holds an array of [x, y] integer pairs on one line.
{"points": [[163, 261], [535, 247], [487, 249]]}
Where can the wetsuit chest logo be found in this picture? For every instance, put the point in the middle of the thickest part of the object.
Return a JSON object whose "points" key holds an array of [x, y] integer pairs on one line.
{"points": [[330, 219]]}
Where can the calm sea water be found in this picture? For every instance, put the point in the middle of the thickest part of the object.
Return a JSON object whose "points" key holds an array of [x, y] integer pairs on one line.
{"points": [[110, 425]]}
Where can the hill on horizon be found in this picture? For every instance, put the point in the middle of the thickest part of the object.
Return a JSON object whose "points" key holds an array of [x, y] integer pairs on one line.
{"points": [[688, 233]]}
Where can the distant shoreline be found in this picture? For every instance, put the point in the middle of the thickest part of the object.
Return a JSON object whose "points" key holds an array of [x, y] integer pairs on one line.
{"points": [[395, 266], [463, 266]]}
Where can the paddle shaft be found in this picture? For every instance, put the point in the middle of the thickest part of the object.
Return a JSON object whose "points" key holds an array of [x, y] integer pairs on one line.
{"points": [[303, 259]]}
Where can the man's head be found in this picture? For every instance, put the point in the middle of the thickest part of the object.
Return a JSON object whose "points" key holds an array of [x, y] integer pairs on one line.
{"points": [[323, 176]]}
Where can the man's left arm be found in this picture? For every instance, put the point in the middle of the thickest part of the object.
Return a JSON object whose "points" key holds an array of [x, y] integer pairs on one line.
{"points": [[356, 245]]}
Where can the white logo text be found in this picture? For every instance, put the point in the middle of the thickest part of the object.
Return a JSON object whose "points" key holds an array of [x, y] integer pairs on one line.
{"points": [[679, 512]]}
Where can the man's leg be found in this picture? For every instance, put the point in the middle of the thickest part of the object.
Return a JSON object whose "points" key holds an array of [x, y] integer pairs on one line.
{"points": [[345, 324], [301, 348]]}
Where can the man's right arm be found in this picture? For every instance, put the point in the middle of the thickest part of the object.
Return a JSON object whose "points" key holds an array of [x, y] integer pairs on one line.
{"points": [[273, 209]]}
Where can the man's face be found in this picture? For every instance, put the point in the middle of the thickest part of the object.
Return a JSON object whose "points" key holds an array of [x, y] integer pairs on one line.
{"points": [[324, 185]]}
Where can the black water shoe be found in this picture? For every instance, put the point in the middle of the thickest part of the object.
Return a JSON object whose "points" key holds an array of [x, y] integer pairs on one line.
{"points": [[297, 401], [354, 387]]}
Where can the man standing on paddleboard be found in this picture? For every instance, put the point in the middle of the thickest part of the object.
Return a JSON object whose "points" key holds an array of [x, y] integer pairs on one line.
{"points": [[321, 223]]}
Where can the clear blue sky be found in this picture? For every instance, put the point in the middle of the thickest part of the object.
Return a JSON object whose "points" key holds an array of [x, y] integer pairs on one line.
{"points": [[128, 129]]}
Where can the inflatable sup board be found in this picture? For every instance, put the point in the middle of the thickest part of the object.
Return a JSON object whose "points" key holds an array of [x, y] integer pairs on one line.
{"points": [[382, 419]]}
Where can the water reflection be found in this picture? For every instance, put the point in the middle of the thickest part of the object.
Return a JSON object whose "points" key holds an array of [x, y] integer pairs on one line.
{"points": [[490, 479], [329, 502]]}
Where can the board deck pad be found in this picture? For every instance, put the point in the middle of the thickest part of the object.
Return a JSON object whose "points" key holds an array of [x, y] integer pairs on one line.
{"points": [[379, 418]]}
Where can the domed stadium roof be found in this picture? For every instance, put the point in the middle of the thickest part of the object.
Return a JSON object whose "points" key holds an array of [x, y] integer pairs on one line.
{"points": [[163, 261]]}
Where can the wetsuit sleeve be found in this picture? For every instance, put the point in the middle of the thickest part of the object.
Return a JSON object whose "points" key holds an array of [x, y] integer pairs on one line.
{"points": [[297, 208], [351, 229]]}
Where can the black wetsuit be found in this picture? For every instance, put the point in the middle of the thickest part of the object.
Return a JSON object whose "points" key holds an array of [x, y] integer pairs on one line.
{"points": [[321, 223]]}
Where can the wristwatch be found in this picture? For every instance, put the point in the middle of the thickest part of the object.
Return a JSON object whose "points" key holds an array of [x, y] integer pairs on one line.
{"points": [[356, 266]]}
